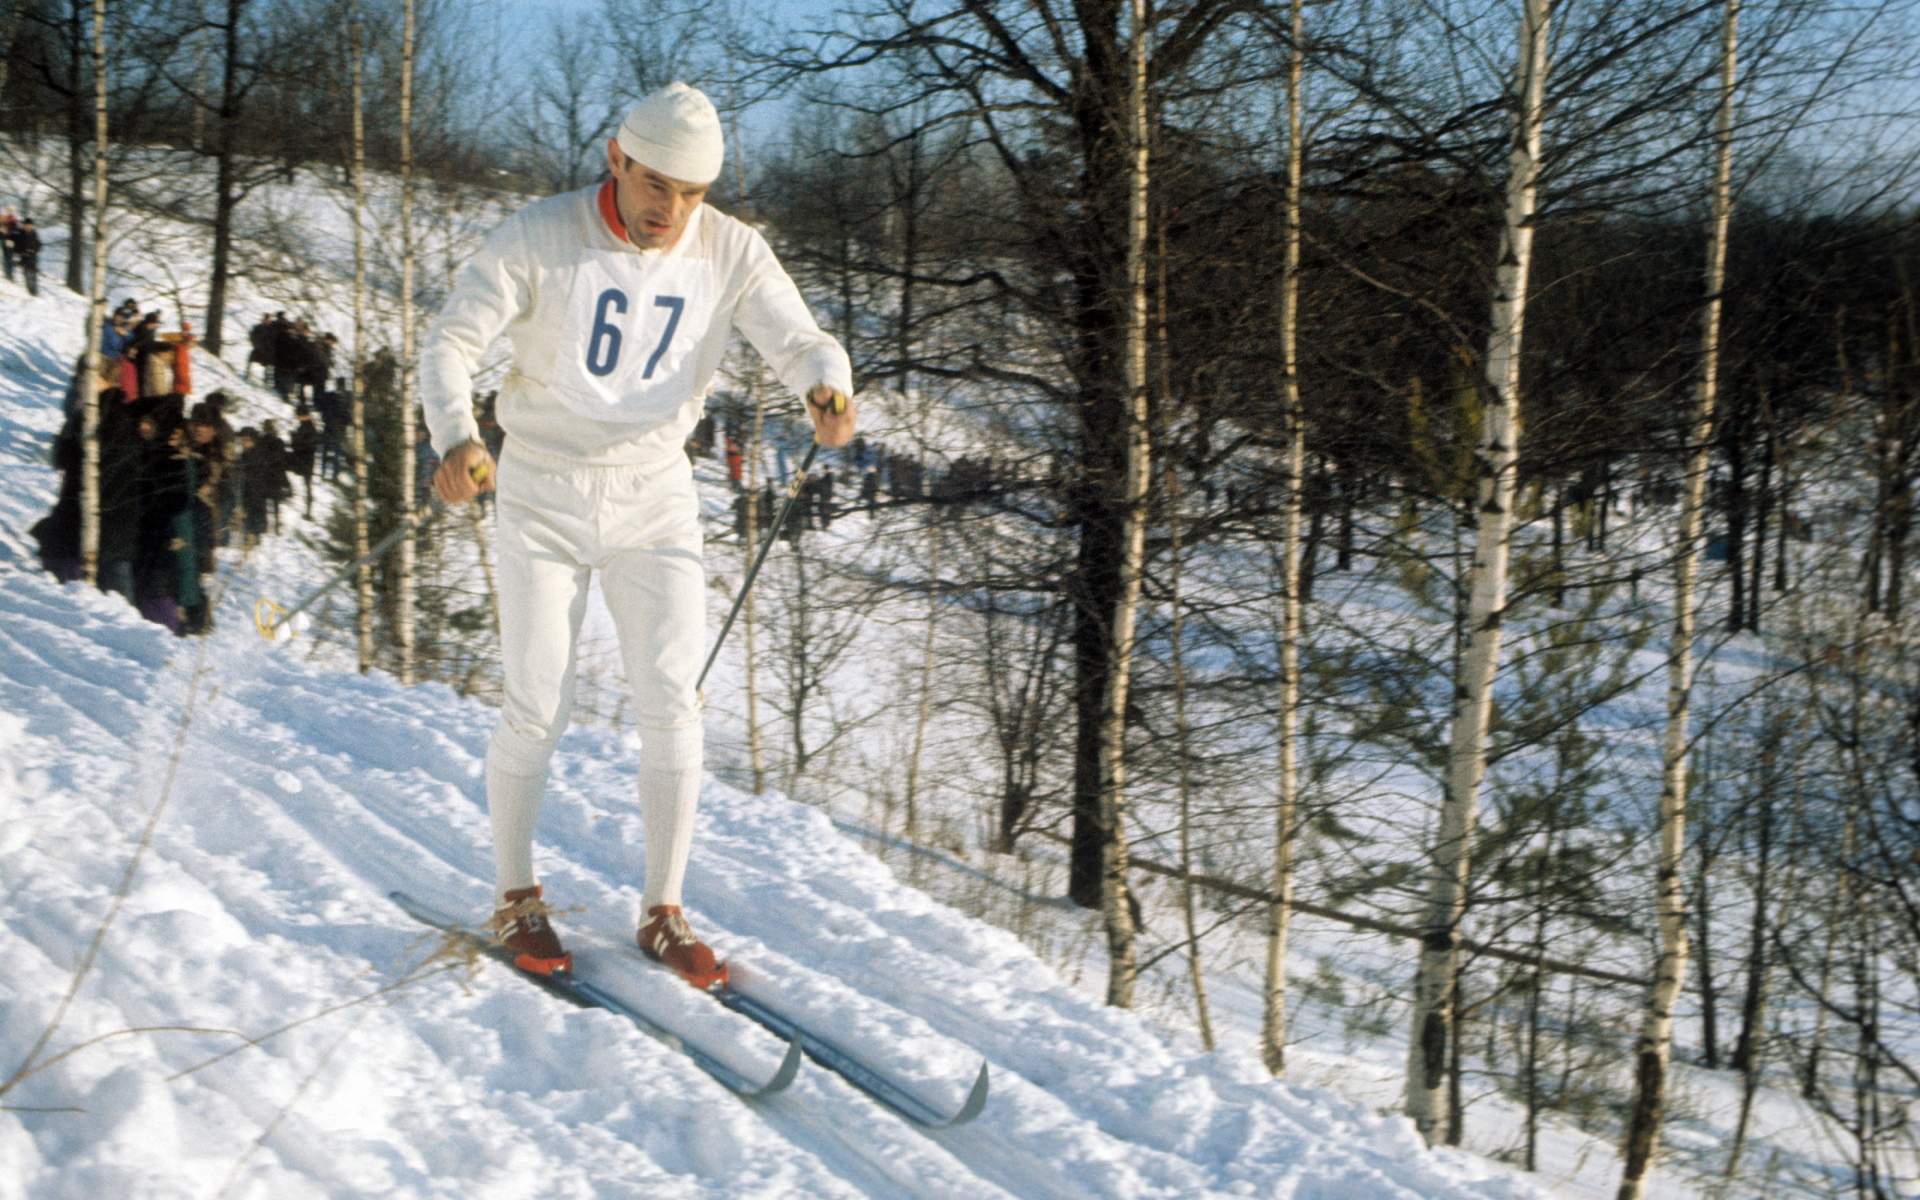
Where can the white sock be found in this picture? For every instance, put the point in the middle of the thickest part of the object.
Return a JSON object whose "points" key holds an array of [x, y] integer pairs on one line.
{"points": [[667, 803], [513, 805]]}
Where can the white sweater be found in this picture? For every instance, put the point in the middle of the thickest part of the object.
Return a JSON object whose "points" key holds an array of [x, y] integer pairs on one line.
{"points": [[519, 283]]}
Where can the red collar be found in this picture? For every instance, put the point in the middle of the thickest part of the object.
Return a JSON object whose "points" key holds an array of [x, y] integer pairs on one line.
{"points": [[610, 211]]}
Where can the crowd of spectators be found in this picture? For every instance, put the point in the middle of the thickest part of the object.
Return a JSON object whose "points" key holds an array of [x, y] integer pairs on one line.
{"points": [[177, 482]]}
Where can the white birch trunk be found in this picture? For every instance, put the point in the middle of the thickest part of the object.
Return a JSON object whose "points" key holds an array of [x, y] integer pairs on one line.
{"points": [[364, 577], [408, 548], [1654, 1048], [926, 683], [1115, 901], [1429, 1046], [1273, 1021], [1183, 732], [89, 396]]}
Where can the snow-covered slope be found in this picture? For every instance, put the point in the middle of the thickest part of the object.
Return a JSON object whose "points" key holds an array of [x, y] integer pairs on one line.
{"points": [[299, 797]]}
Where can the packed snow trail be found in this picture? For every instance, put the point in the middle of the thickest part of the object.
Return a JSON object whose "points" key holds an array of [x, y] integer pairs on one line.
{"points": [[304, 796]]}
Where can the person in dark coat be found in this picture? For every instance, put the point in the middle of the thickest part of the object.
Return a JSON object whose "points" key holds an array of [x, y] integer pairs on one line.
{"points": [[318, 363], [120, 454], [26, 250], [300, 454], [289, 355], [8, 224], [165, 576], [207, 470], [250, 484], [58, 533], [274, 461], [260, 349]]}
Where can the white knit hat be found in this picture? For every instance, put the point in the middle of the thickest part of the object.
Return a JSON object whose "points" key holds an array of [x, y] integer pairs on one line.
{"points": [[676, 132]]}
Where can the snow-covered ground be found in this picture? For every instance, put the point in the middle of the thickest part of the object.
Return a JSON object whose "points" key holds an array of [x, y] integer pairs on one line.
{"points": [[299, 796]]}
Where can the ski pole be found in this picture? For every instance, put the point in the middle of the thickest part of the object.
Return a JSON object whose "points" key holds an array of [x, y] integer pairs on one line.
{"points": [[418, 521], [410, 525], [793, 493]]}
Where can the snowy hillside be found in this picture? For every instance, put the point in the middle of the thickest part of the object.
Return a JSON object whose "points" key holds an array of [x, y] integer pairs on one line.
{"points": [[298, 797]]}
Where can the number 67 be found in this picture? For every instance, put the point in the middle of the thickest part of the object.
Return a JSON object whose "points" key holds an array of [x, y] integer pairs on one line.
{"points": [[603, 346]]}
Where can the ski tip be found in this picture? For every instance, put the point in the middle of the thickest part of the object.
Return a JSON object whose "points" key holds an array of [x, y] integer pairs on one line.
{"points": [[976, 1101], [789, 1067]]}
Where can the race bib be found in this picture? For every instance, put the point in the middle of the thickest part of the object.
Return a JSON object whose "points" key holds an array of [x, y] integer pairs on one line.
{"points": [[629, 346]]}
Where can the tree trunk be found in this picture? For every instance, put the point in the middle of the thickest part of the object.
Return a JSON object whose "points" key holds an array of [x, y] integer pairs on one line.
{"points": [[926, 680], [1273, 1020], [403, 609], [1183, 757], [77, 130], [225, 201], [1703, 915], [1496, 458], [1736, 498], [89, 382], [1116, 900], [1762, 509], [363, 624], [1654, 1048]]}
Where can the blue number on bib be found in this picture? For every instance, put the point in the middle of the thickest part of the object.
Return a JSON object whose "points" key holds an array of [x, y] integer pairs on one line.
{"points": [[677, 304], [602, 328]]}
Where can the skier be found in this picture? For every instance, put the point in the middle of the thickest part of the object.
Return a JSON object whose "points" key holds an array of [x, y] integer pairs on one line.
{"points": [[618, 300]]}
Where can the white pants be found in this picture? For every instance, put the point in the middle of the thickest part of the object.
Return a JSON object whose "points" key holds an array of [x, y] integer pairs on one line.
{"points": [[640, 528]]}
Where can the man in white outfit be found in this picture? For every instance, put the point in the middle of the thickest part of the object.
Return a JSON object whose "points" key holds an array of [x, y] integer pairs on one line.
{"points": [[618, 301]]}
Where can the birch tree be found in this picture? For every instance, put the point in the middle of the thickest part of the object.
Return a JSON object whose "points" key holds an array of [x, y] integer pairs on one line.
{"points": [[89, 382], [404, 393], [1116, 902], [1654, 1048], [1495, 465], [363, 581], [1273, 1023]]}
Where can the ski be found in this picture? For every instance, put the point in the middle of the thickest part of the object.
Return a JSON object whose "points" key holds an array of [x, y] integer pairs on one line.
{"points": [[583, 993], [850, 1067], [892, 1095]]}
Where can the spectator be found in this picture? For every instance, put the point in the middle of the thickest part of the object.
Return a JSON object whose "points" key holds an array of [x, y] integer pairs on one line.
{"points": [[823, 491], [9, 225], [260, 341], [115, 334], [870, 490], [164, 562], [250, 488], [273, 466], [210, 485], [306, 441], [736, 463], [120, 453], [289, 355], [319, 362], [425, 463], [58, 533], [150, 358], [336, 415], [26, 249]]}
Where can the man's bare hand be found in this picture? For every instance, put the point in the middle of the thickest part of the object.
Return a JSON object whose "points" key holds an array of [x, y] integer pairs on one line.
{"points": [[464, 473], [833, 416]]}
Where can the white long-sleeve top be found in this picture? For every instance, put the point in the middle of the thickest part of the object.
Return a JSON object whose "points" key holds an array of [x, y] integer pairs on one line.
{"points": [[547, 278]]}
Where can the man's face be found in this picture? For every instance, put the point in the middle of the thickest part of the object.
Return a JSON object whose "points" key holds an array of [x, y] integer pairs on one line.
{"points": [[654, 208]]}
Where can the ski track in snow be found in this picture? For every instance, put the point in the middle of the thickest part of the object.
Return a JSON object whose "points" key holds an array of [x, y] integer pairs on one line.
{"points": [[303, 796]]}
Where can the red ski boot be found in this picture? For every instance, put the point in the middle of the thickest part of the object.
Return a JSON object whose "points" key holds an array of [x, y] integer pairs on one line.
{"points": [[667, 939], [522, 927]]}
